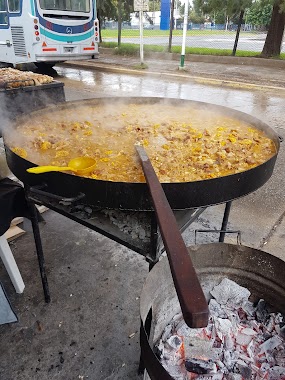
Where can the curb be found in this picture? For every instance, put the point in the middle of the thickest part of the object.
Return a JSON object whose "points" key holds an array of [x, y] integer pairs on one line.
{"points": [[198, 79]]}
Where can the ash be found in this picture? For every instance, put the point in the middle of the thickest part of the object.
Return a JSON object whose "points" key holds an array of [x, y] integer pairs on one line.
{"points": [[135, 224], [242, 341]]}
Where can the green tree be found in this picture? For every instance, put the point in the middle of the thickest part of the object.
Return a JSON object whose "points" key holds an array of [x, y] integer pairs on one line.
{"points": [[154, 5], [230, 9], [118, 10], [259, 14], [106, 10], [273, 42], [195, 18], [182, 9]]}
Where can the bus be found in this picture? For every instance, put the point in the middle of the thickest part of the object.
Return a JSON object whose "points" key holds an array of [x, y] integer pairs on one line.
{"points": [[46, 32]]}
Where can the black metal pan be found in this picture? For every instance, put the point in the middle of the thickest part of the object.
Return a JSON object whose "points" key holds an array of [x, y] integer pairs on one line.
{"points": [[135, 196]]}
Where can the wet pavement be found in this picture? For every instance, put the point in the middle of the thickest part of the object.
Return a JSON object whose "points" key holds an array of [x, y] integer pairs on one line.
{"points": [[226, 71], [90, 330]]}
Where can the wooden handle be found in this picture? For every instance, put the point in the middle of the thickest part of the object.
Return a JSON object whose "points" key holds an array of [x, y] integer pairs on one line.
{"points": [[189, 291]]}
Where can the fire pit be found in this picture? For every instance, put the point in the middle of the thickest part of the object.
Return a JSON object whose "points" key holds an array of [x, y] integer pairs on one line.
{"points": [[261, 273]]}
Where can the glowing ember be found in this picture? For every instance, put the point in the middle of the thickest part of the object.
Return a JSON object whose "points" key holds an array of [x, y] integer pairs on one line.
{"points": [[242, 341]]}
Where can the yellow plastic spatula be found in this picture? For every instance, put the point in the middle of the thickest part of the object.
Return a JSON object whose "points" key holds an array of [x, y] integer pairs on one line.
{"points": [[78, 165]]}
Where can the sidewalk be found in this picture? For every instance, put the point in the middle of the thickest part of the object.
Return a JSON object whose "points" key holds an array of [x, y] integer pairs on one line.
{"points": [[229, 71]]}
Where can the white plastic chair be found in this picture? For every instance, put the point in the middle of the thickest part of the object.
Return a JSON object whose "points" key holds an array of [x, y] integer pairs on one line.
{"points": [[10, 265]]}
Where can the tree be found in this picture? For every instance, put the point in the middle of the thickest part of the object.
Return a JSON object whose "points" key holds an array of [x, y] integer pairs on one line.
{"points": [[231, 9], [182, 9], [259, 14], [106, 9], [154, 5], [196, 19], [118, 10], [272, 46]]}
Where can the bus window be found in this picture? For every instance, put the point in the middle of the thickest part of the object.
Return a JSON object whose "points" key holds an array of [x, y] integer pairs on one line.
{"points": [[14, 5], [3, 13], [66, 5]]}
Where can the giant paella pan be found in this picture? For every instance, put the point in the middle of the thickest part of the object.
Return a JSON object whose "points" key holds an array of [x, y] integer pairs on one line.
{"points": [[203, 154]]}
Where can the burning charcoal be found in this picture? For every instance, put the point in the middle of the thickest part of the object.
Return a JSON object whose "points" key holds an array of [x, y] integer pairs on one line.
{"points": [[263, 370], [277, 373], [229, 359], [184, 330], [244, 336], [199, 366], [280, 358], [221, 367], [261, 311], [216, 310], [250, 349], [216, 376], [177, 372], [244, 370], [229, 342], [270, 344], [223, 327], [167, 333], [249, 309], [174, 341], [270, 324], [230, 293], [235, 376], [196, 348], [282, 332], [234, 345]]}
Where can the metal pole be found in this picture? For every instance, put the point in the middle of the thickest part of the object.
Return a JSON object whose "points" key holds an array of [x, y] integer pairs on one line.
{"points": [[238, 32], [225, 221], [141, 37], [185, 27], [176, 11], [39, 248]]}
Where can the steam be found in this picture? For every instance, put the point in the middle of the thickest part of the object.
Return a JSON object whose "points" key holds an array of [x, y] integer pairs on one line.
{"points": [[108, 128]]}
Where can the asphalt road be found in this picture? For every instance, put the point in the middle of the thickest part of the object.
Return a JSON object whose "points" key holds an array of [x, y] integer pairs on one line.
{"points": [[216, 41]]}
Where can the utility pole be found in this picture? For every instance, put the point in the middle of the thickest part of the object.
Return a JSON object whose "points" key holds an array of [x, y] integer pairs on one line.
{"points": [[141, 6], [171, 26], [141, 37], [185, 27]]}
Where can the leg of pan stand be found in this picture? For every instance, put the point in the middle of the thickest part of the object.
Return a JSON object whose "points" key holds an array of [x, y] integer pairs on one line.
{"points": [[39, 249], [225, 221]]}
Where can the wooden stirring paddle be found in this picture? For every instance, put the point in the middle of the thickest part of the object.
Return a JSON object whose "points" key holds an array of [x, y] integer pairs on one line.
{"points": [[189, 291]]}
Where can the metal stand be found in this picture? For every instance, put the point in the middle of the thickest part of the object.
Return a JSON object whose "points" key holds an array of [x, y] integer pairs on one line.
{"points": [[108, 223], [104, 222], [225, 221], [39, 248]]}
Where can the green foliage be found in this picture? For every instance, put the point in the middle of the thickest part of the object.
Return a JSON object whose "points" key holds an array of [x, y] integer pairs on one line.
{"points": [[154, 5], [259, 14], [195, 18], [218, 16], [221, 9], [108, 9]]}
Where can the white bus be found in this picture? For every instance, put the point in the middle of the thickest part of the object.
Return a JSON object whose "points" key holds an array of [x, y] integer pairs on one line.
{"points": [[48, 31]]}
